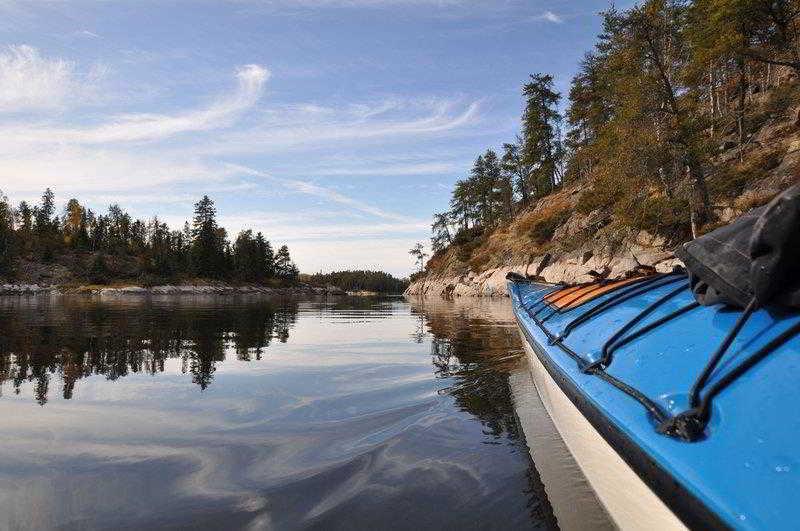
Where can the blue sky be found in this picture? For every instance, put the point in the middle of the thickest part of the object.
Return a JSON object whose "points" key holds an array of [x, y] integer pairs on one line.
{"points": [[335, 126]]}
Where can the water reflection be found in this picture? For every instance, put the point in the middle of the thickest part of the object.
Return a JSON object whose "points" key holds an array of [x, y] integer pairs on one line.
{"points": [[261, 414], [75, 338], [475, 345]]}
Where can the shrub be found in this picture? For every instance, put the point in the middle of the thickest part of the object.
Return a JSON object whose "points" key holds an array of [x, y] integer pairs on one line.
{"points": [[543, 228], [732, 180], [98, 272]]}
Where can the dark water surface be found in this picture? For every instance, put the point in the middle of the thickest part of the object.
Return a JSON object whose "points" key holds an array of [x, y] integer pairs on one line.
{"points": [[261, 414]]}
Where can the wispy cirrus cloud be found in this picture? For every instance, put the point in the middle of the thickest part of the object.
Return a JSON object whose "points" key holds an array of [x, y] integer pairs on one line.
{"points": [[321, 192], [31, 81], [343, 4], [78, 169], [149, 127], [390, 170], [101, 157], [438, 118]]}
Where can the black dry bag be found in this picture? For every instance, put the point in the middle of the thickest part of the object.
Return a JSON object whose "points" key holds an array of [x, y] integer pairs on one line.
{"points": [[756, 257]]}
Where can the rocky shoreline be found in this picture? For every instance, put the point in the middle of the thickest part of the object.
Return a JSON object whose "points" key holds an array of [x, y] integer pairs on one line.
{"points": [[193, 290], [570, 268]]}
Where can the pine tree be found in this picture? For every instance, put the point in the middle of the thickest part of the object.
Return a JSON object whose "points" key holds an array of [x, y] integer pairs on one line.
{"points": [[207, 247], [7, 243], [285, 269], [23, 217], [441, 232], [515, 171], [419, 255], [265, 258], [541, 145], [46, 227]]}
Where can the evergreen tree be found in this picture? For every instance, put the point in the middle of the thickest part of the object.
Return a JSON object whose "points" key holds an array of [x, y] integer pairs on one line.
{"points": [[45, 212], [441, 232], [541, 145], [245, 257], [201, 248], [265, 264], [207, 247], [285, 269], [24, 227], [419, 255], [7, 243], [46, 226], [514, 171]]}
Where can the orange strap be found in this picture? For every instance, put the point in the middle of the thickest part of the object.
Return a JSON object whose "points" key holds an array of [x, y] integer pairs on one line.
{"points": [[573, 296]]}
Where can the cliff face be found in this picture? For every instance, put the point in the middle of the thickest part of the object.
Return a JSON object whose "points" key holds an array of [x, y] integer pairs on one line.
{"points": [[556, 241]]}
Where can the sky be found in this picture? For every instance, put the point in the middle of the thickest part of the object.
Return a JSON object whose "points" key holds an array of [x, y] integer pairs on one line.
{"points": [[336, 127]]}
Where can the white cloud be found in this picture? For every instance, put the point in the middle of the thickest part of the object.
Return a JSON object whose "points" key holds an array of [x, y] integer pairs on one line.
{"points": [[353, 3], [312, 189], [30, 81], [323, 129], [390, 170], [149, 160], [97, 159], [149, 127], [282, 227], [76, 169], [549, 16]]}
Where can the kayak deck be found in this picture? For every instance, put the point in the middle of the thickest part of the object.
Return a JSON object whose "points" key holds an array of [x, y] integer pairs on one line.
{"points": [[745, 472]]}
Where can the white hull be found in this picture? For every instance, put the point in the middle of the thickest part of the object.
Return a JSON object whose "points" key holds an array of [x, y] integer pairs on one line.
{"points": [[626, 498]]}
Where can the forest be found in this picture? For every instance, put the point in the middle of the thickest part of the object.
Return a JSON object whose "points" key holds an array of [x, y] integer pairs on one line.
{"points": [[669, 85], [201, 249], [359, 280]]}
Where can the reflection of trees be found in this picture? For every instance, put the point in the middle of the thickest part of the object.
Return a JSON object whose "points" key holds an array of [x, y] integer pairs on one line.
{"points": [[476, 354], [76, 339], [475, 346]]}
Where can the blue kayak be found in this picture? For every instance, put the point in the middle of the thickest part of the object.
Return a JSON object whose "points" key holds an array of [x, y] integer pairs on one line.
{"points": [[618, 361]]}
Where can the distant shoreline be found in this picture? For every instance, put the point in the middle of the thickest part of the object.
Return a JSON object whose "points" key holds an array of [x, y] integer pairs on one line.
{"points": [[171, 289]]}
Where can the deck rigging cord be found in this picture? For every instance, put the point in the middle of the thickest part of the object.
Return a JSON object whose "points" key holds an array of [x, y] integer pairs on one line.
{"points": [[691, 424], [606, 352]]}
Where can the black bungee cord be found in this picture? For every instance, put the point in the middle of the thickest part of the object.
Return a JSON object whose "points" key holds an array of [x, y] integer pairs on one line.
{"points": [[642, 331], [689, 425], [611, 344]]}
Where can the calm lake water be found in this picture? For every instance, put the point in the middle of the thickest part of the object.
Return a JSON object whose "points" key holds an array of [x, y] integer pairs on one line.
{"points": [[353, 413]]}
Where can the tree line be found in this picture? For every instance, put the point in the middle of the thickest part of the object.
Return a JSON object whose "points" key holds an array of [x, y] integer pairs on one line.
{"points": [[668, 83], [359, 280], [200, 249]]}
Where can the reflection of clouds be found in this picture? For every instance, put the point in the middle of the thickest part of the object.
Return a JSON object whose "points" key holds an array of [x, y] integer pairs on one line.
{"points": [[343, 423], [242, 468]]}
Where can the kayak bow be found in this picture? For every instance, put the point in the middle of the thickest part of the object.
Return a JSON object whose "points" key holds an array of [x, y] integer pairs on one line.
{"points": [[615, 363]]}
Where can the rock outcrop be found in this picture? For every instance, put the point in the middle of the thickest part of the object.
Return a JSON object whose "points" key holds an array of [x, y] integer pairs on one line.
{"points": [[576, 266]]}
